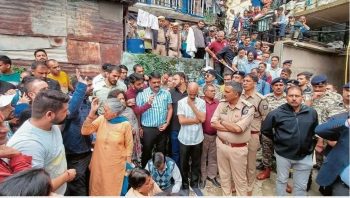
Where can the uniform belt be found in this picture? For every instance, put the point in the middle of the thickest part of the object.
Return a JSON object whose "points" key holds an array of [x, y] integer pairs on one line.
{"points": [[232, 144], [160, 43], [254, 132]]}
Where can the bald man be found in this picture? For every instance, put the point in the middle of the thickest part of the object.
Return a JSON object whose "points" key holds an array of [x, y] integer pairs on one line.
{"points": [[191, 114], [215, 47]]}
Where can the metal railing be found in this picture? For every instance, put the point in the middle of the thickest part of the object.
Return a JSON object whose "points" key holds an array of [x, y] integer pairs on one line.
{"points": [[191, 7]]}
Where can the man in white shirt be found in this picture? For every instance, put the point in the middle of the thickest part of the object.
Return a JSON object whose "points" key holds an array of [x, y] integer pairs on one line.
{"points": [[191, 112], [274, 70]]}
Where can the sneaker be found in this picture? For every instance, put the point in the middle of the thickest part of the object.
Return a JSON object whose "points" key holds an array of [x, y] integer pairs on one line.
{"points": [[197, 191]]}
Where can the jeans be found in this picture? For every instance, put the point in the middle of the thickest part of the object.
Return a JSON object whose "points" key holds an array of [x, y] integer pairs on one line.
{"points": [[175, 147], [301, 172]]}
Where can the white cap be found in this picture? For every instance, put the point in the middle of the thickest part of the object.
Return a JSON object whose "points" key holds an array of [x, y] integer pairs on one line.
{"points": [[6, 100], [207, 68]]}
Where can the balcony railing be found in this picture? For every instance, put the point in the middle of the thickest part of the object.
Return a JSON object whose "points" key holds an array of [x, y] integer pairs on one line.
{"points": [[191, 7]]}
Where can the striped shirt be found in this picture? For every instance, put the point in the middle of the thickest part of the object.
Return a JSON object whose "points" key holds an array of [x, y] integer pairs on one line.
{"points": [[156, 115], [190, 134]]}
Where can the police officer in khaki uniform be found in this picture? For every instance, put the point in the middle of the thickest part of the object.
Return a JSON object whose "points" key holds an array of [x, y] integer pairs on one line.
{"points": [[261, 110], [174, 38], [232, 119], [161, 40]]}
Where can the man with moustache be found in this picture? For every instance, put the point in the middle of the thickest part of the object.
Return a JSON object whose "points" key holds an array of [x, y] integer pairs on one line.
{"points": [[40, 70], [274, 99], [214, 47], [41, 138], [191, 114], [111, 82], [228, 53], [209, 166], [156, 119], [238, 76], [292, 127], [232, 119], [260, 104], [40, 55], [177, 93]]}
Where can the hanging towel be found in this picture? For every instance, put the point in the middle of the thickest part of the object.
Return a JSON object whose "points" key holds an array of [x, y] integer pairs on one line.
{"points": [[191, 47], [153, 22], [142, 18]]}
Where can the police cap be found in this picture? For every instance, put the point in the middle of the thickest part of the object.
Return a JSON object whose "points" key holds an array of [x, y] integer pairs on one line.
{"points": [[241, 73], [212, 72], [319, 80], [346, 86], [293, 81], [278, 80]]}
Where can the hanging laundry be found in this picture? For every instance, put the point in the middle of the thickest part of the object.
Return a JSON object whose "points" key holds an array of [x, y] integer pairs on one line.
{"points": [[142, 18]]}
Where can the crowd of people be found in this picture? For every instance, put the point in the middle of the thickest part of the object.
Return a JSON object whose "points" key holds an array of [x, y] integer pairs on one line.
{"points": [[159, 134], [189, 40]]}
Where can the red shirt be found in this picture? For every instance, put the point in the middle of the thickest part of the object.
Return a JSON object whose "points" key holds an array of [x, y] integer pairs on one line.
{"points": [[210, 109], [217, 46]]}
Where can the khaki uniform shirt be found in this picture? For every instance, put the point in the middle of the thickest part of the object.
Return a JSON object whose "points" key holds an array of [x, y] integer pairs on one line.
{"points": [[174, 41], [161, 36], [261, 109], [241, 114]]}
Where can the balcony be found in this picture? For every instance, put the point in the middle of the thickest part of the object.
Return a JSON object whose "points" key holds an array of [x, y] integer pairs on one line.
{"points": [[193, 8], [320, 13]]}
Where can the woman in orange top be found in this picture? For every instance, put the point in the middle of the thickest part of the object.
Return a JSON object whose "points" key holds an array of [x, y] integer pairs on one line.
{"points": [[113, 148]]}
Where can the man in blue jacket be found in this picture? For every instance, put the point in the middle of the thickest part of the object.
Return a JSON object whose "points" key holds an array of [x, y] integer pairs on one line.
{"points": [[291, 127], [77, 146], [334, 171]]}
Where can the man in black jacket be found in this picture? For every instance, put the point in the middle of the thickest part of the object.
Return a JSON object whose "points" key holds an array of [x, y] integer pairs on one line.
{"points": [[292, 127]]}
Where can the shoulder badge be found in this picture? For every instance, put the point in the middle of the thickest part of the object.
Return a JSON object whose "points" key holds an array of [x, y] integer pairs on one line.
{"points": [[245, 110]]}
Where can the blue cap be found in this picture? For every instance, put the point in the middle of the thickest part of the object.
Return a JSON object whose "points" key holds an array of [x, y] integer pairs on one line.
{"points": [[293, 81], [319, 80], [278, 80], [346, 86], [212, 72], [241, 73]]}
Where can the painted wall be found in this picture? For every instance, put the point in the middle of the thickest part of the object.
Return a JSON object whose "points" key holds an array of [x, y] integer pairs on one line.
{"points": [[330, 64], [76, 33]]}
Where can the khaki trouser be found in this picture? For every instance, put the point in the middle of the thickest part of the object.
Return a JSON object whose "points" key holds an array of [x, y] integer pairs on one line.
{"points": [[209, 155], [160, 50], [232, 163], [253, 147], [174, 53]]}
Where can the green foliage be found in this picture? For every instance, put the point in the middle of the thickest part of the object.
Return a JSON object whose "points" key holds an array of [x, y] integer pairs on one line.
{"points": [[18, 69], [152, 62], [209, 17]]}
